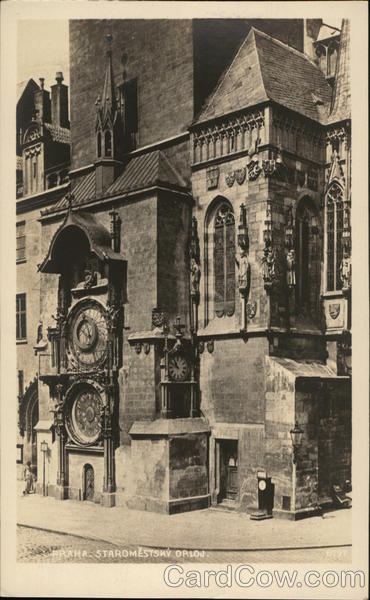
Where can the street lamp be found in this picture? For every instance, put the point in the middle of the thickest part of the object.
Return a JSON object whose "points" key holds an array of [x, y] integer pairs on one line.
{"points": [[44, 448], [296, 435]]}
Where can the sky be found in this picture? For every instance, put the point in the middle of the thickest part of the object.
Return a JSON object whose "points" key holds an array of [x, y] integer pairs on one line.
{"points": [[42, 50]]}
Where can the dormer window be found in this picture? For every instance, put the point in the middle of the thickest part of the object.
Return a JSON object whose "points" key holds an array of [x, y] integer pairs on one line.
{"points": [[108, 143]]}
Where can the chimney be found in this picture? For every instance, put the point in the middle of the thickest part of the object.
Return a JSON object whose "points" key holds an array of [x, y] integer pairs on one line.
{"points": [[311, 31], [42, 103], [59, 102]]}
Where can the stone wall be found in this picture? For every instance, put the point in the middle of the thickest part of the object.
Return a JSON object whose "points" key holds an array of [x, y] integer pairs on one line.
{"points": [[324, 413], [162, 66], [232, 381], [174, 214], [279, 419], [188, 460], [149, 458]]}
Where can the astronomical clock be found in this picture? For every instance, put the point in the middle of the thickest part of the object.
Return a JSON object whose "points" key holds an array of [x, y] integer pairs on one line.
{"points": [[86, 348], [87, 336]]}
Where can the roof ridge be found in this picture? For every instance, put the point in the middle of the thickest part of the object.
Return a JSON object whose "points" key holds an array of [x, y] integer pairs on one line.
{"points": [[259, 62], [290, 48], [171, 166]]}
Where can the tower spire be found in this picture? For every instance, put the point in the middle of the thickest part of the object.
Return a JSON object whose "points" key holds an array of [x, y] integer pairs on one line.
{"points": [[107, 107]]}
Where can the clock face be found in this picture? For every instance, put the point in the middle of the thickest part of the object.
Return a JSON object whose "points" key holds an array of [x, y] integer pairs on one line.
{"points": [[85, 416], [178, 367], [88, 335]]}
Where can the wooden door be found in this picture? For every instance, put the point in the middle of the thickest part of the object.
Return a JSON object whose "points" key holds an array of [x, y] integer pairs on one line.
{"points": [[89, 483]]}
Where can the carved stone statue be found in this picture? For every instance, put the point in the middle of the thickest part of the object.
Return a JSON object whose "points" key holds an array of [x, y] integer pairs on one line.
{"points": [[194, 276], [346, 270], [244, 269], [290, 266], [268, 265], [39, 332]]}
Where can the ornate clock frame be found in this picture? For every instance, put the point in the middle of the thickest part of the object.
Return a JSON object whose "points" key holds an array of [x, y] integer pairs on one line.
{"points": [[86, 347]]}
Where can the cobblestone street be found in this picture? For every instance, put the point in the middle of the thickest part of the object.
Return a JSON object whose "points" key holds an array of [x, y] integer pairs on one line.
{"points": [[37, 546]]}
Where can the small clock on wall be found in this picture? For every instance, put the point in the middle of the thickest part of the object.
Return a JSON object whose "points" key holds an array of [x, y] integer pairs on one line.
{"points": [[87, 339], [178, 367]]}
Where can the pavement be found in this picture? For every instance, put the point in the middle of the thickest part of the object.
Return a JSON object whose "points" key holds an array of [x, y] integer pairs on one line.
{"points": [[208, 529], [36, 546]]}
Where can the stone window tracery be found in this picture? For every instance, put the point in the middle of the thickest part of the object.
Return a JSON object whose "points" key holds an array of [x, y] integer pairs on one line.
{"points": [[334, 235], [224, 261], [21, 328], [307, 252]]}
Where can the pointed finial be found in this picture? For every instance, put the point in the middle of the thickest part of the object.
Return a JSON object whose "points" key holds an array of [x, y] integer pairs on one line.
{"points": [[42, 81], [70, 197]]}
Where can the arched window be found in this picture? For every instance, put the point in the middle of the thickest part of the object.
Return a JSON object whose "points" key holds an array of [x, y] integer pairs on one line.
{"points": [[224, 261], [108, 143], [334, 233], [98, 141], [308, 258]]}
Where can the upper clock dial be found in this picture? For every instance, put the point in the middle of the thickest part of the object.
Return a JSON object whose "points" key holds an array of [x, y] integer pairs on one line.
{"points": [[178, 368], [88, 335]]}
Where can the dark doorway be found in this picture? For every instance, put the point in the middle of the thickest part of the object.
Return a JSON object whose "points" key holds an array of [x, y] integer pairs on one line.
{"points": [[228, 470], [88, 493], [265, 494]]}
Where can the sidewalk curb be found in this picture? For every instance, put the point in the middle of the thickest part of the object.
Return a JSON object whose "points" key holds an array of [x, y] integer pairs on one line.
{"points": [[159, 547]]}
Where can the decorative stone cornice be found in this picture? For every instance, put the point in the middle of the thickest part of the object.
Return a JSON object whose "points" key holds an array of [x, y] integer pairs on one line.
{"points": [[230, 135]]}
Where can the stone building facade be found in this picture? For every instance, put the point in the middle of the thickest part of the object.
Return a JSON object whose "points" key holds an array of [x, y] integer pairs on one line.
{"points": [[196, 278], [42, 160]]}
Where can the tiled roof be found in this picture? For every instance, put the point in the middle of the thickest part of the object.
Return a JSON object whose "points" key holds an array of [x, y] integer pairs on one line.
{"points": [[152, 168], [59, 134], [341, 103], [140, 172], [265, 68]]}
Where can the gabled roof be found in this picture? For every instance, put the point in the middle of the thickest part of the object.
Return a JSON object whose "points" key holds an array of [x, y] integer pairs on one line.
{"points": [[29, 85], [327, 32], [267, 69], [341, 103], [140, 172]]}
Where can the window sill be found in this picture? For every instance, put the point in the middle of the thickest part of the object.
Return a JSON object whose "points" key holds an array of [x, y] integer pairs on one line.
{"points": [[20, 261], [220, 326], [20, 342]]}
